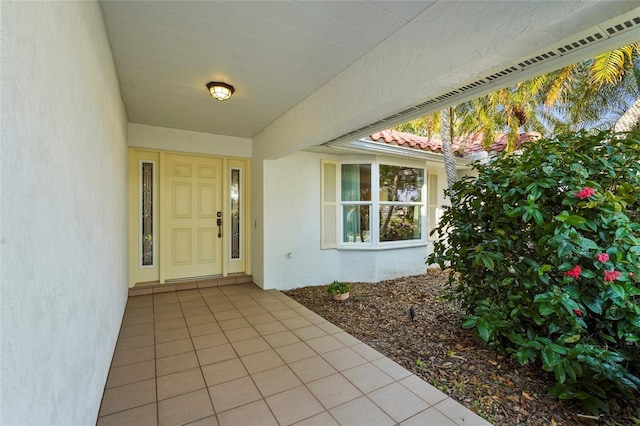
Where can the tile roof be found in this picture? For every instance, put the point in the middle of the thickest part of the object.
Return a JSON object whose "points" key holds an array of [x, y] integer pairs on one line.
{"points": [[462, 145]]}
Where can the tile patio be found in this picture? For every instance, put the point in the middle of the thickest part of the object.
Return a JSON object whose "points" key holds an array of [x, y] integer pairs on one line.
{"points": [[239, 356]]}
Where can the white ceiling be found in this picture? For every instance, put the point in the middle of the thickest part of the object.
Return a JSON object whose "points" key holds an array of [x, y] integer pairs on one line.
{"points": [[274, 53], [277, 53]]}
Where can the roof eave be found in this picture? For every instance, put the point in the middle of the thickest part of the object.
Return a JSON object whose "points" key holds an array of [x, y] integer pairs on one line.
{"points": [[394, 150]]}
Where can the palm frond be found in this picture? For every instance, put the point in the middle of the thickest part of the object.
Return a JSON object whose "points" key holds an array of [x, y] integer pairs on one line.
{"points": [[609, 68]]}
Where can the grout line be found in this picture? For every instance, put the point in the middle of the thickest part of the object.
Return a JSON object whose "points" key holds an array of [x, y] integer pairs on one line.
{"points": [[155, 357], [248, 295], [204, 380]]}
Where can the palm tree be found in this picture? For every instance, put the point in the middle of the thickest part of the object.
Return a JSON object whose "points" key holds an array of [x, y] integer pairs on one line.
{"points": [[629, 119], [440, 123], [426, 126], [587, 94], [511, 110], [446, 135], [596, 92]]}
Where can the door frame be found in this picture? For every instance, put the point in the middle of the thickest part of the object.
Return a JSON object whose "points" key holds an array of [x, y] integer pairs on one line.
{"points": [[139, 274]]}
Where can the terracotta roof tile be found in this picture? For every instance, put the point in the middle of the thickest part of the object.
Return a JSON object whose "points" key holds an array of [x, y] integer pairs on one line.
{"points": [[462, 145]]}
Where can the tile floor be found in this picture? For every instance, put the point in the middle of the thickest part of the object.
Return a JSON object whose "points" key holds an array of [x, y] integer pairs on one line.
{"points": [[238, 355]]}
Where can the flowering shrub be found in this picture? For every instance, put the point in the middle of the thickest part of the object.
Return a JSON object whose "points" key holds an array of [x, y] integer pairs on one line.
{"points": [[545, 249]]}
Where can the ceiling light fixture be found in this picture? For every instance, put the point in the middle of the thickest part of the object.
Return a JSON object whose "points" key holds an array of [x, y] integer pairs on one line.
{"points": [[220, 91]]}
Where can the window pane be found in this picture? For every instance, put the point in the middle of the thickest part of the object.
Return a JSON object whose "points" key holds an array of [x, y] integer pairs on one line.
{"points": [[355, 223], [401, 183], [400, 223], [356, 182]]}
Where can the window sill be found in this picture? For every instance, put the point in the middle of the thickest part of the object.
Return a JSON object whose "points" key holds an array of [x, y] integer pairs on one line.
{"points": [[384, 246]]}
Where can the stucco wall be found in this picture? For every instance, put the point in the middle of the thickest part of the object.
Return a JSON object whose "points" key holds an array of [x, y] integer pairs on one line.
{"points": [[292, 225], [63, 212], [163, 138]]}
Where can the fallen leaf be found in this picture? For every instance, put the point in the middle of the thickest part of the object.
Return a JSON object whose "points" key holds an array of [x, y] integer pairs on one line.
{"points": [[513, 398]]}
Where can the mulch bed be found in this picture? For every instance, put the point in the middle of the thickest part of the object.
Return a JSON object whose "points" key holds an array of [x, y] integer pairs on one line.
{"points": [[436, 348]]}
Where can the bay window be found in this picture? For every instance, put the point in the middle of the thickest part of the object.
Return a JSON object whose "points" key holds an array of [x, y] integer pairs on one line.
{"points": [[379, 205]]}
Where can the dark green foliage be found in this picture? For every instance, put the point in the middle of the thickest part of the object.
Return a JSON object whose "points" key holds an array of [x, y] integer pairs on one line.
{"points": [[545, 246]]}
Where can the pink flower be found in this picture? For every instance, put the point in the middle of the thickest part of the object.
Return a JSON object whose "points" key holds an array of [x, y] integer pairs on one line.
{"points": [[611, 275], [602, 257], [578, 312], [585, 192], [573, 272]]}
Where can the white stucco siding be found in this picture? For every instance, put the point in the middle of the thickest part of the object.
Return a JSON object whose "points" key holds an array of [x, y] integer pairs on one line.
{"points": [[63, 212], [163, 138], [292, 225], [292, 222]]}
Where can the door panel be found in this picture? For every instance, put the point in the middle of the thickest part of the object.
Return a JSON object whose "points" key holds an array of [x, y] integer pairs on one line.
{"points": [[206, 203], [181, 247], [193, 195], [206, 243], [181, 202]]}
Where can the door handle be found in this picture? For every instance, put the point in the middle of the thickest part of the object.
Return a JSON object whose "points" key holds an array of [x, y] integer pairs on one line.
{"points": [[219, 223]]}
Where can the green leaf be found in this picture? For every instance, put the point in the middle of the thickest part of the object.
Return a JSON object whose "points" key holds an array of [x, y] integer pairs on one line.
{"points": [[470, 322], [586, 273], [544, 268], [560, 373], [546, 309], [617, 290], [588, 244], [594, 303], [635, 320], [571, 219], [537, 216], [484, 330], [572, 339], [522, 357], [487, 262]]}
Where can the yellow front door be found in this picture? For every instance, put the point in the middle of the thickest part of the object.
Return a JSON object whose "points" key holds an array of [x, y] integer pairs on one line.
{"points": [[191, 202]]}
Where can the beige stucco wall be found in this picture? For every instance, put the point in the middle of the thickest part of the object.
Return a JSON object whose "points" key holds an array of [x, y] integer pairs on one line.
{"points": [[63, 212]]}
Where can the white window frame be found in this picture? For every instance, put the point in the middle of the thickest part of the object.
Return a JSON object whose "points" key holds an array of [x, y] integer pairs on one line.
{"points": [[375, 203]]}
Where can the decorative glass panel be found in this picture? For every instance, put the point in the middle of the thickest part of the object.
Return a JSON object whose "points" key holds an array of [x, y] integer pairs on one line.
{"points": [[235, 214], [146, 227], [400, 223], [402, 184]]}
